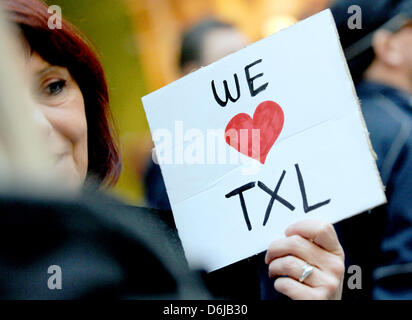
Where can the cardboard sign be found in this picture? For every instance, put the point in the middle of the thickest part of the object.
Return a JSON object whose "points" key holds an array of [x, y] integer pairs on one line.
{"points": [[260, 139]]}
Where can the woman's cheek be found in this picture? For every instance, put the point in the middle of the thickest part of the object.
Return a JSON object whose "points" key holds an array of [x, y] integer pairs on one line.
{"points": [[80, 144], [72, 125]]}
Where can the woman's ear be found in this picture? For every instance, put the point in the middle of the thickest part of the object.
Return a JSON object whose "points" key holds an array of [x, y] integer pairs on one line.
{"points": [[386, 49]]}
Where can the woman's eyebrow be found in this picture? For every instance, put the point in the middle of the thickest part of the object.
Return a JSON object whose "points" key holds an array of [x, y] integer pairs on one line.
{"points": [[47, 70]]}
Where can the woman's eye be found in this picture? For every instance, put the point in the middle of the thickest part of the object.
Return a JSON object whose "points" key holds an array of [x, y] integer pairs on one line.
{"points": [[55, 87]]}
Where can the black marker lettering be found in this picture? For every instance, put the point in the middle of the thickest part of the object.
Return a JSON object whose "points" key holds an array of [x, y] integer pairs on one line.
{"points": [[227, 92], [240, 191], [274, 196], [250, 80], [306, 207]]}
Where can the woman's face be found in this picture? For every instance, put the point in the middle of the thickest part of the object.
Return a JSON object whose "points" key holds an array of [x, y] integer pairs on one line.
{"points": [[60, 114]]}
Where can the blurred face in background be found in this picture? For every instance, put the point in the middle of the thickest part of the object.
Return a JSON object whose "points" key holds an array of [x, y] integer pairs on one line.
{"points": [[216, 43], [405, 47], [59, 112], [393, 58], [221, 42]]}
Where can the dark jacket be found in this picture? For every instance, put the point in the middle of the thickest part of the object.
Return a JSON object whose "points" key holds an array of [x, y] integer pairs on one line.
{"points": [[381, 242], [91, 245]]}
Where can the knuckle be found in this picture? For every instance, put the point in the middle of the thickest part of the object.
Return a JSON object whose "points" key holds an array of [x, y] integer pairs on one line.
{"points": [[337, 267], [295, 240], [273, 268], [272, 247], [326, 228], [288, 264], [278, 284], [271, 271], [270, 252], [282, 285], [341, 253], [332, 286]]}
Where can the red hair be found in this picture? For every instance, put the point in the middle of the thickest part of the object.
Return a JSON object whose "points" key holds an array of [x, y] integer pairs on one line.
{"points": [[69, 48]]}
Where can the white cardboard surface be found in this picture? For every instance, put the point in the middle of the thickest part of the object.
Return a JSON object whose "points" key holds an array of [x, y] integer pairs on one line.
{"points": [[323, 133]]}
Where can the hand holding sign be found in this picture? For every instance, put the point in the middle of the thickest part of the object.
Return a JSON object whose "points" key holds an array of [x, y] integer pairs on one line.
{"points": [[313, 242], [284, 107]]}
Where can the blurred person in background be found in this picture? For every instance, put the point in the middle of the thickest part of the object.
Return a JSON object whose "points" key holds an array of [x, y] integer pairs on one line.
{"points": [[379, 55]]}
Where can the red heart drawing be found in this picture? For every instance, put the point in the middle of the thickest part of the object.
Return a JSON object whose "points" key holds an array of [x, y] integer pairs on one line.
{"points": [[267, 122]]}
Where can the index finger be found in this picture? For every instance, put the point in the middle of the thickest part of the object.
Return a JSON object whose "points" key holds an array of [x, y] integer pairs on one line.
{"points": [[321, 233]]}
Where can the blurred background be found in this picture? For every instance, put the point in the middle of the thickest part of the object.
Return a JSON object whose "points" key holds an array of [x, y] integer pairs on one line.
{"points": [[139, 42]]}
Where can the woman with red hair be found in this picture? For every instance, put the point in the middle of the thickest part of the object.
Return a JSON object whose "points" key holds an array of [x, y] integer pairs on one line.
{"points": [[71, 95]]}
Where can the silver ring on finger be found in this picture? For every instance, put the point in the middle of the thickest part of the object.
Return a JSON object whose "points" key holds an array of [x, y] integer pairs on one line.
{"points": [[307, 270]]}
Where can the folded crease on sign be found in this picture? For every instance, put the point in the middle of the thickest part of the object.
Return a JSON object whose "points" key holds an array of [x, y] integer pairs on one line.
{"points": [[282, 141]]}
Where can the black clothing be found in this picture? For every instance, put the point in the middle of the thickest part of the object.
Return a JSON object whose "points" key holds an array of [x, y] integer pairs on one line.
{"points": [[103, 248]]}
